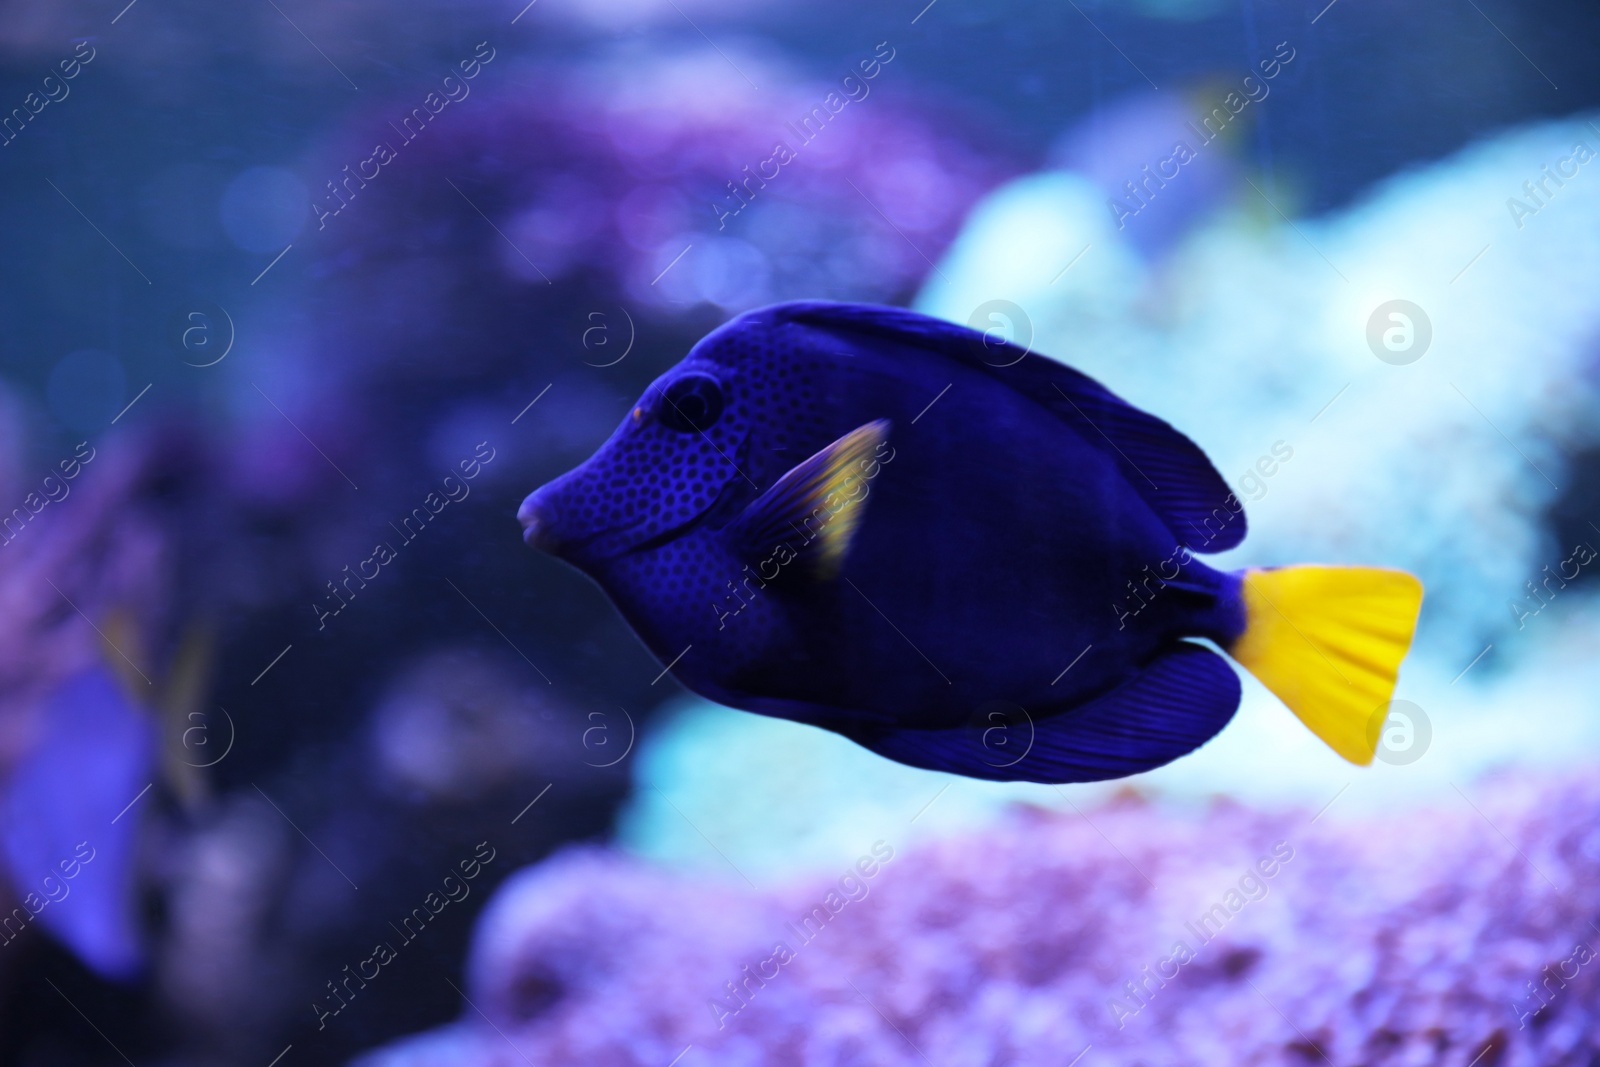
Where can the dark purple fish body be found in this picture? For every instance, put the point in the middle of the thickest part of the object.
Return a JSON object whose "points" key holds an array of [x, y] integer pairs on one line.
{"points": [[960, 554]]}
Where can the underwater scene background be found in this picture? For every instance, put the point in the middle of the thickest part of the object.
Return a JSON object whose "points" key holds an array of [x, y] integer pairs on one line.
{"points": [[306, 759]]}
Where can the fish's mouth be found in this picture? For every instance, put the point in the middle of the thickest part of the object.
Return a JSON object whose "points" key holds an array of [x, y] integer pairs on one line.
{"points": [[541, 529]]}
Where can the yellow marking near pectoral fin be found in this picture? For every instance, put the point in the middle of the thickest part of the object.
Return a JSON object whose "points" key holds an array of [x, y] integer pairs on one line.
{"points": [[817, 505], [845, 483], [1328, 641]]}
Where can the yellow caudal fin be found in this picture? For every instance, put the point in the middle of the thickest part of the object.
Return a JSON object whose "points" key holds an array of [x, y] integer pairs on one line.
{"points": [[1328, 642]]}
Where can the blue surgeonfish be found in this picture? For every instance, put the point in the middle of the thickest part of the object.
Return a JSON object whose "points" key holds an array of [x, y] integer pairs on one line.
{"points": [[958, 553]]}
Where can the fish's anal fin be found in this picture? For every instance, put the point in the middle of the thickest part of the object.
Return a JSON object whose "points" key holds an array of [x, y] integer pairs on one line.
{"points": [[1328, 642], [816, 507], [1174, 705]]}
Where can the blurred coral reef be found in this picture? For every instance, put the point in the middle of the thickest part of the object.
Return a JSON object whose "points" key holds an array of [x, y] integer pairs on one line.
{"points": [[268, 791], [1455, 935], [616, 166]]}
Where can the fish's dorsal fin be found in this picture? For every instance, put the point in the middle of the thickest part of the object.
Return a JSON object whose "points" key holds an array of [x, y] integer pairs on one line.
{"points": [[817, 505], [1164, 467]]}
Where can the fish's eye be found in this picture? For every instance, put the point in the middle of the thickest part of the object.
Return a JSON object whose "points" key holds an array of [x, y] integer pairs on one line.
{"points": [[692, 402]]}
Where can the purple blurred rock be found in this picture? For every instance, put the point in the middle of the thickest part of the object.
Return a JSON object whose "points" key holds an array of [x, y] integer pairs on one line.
{"points": [[1456, 935], [606, 173], [457, 725]]}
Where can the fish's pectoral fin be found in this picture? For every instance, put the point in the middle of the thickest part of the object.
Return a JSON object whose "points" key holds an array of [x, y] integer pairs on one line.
{"points": [[813, 511], [1174, 705]]}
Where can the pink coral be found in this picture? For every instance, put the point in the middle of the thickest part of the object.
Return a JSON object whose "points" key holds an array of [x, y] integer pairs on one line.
{"points": [[1459, 935]]}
